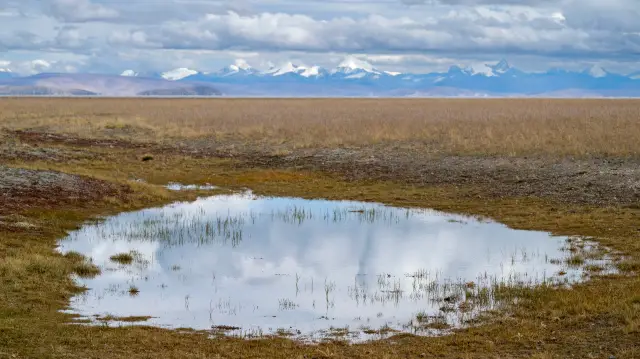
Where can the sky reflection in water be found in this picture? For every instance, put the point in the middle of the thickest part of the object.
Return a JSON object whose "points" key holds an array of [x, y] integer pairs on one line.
{"points": [[267, 263]]}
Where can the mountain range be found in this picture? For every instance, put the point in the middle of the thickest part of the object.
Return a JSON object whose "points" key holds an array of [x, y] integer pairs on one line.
{"points": [[352, 77]]}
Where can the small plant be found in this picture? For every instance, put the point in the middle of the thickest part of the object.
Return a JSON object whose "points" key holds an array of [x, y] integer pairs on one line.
{"points": [[629, 266], [122, 258], [593, 268], [281, 332], [422, 317], [286, 304], [134, 291], [575, 260], [130, 319], [75, 256], [86, 269]]}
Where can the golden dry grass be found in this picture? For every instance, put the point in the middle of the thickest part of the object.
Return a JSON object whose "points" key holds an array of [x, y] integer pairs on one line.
{"points": [[458, 126]]}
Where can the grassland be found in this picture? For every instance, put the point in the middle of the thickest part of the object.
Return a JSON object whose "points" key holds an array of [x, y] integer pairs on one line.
{"points": [[564, 166], [486, 127]]}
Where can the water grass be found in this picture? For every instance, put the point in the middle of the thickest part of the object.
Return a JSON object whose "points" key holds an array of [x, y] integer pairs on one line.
{"points": [[122, 258]]}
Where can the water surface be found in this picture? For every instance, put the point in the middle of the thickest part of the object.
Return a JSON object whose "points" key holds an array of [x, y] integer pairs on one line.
{"points": [[262, 265]]}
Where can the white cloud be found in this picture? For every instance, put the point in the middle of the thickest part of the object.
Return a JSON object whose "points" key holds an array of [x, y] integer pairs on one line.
{"points": [[81, 11], [430, 33], [30, 67], [70, 37], [481, 29]]}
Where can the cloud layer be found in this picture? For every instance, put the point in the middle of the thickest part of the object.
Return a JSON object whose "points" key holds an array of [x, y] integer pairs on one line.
{"points": [[110, 35]]}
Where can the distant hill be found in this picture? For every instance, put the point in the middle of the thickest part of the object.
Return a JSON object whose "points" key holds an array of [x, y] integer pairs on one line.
{"points": [[183, 91], [47, 84]]}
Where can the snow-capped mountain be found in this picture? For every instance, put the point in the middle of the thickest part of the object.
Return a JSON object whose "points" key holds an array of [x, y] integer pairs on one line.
{"points": [[501, 68], [596, 71], [291, 69], [356, 77], [239, 67], [354, 65], [178, 74], [286, 68]]}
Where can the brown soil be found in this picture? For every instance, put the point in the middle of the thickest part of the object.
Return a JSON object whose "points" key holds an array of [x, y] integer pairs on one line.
{"points": [[23, 189], [595, 181]]}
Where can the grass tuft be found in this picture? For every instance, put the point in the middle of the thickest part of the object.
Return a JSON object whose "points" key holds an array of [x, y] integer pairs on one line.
{"points": [[130, 319], [86, 270], [122, 258], [575, 260], [629, 266]]}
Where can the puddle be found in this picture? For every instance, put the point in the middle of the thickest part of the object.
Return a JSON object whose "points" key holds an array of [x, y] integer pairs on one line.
{"points": [[310, 269], [190, 187]]}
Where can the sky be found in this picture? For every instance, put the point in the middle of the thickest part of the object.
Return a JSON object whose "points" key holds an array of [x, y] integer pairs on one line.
{"points": [[109, 36]]}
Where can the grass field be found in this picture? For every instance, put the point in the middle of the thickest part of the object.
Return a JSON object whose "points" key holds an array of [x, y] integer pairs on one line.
{"points": [[451, 126], [565, 166]]}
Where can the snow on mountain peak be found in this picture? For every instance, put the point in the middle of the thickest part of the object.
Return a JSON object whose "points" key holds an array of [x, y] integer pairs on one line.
{"points": [[501, 67], [351, 63], [178, 74], [129, 73], [286, 68], [597, 71], [489, 70], [311, 71], [480, 69]]}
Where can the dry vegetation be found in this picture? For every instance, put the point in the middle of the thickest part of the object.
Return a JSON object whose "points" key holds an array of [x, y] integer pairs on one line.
{"points": [[597, 319], [453, 126]]}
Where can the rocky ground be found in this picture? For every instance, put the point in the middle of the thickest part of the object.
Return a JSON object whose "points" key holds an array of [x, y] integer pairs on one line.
{"points": [[24, 189], [594, 181]]}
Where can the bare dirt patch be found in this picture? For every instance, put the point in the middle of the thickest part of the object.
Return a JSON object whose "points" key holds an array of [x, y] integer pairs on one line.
{"points": [[22, 189], [13, 149], [595, 181]]}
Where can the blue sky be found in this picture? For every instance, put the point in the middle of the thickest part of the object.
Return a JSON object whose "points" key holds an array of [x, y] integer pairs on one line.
{"points": [[399, 35]]}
